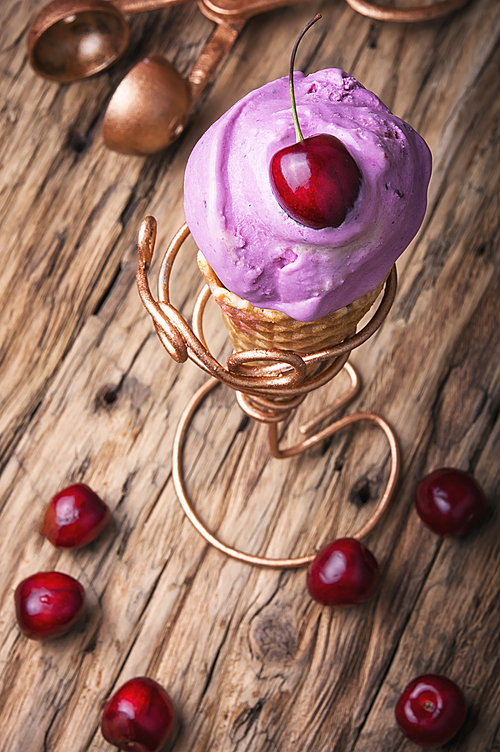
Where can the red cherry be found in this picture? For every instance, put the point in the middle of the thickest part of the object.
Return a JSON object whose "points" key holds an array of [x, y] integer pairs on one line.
{"points": [[48, 604], [139, 717], [316, 181], [431, 710], [74, 517], [450, 502], [344, 573]]}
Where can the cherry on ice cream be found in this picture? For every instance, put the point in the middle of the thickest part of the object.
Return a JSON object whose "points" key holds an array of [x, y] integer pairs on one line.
{"points": [[316, 181]]}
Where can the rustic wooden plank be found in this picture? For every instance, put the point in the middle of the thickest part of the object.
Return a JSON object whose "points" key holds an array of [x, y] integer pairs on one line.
{"points": [[251, 662], [66, 201]]}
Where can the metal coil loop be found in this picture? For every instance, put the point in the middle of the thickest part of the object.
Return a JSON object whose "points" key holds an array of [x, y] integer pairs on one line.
{"points": [[278, 376], [269, 385]]}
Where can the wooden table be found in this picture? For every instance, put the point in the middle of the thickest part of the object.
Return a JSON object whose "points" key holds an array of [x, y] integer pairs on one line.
{"points": [[88, 394]]}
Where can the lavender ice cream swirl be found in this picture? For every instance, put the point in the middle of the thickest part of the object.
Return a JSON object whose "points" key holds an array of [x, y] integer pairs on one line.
{"points": [[258, 251]]}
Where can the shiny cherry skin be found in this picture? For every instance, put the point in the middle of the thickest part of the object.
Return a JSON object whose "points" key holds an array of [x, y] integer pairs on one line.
{"points": [[316, 181], [344, 573], [450, 502], [48, 604], [74, 517], [431, 710], [139, 717]]}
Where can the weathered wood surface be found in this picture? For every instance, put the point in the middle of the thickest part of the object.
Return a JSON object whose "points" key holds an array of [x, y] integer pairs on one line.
{"points": [[88, 394]]}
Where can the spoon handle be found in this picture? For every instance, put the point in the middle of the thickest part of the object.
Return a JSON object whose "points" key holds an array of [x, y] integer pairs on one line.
{"points": [[406, 15], [214, 53], [142, 6], [231, 9]]}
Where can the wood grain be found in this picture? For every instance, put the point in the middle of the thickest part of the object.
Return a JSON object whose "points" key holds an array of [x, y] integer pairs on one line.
{"points": [[88, 394]]}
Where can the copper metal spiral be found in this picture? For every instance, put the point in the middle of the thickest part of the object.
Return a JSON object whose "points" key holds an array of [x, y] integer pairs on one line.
{"points": [[269, 384]]}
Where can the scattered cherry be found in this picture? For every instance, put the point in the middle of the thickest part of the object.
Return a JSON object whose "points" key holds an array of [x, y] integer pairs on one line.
{"points": [[431, 710], [48, 604], [139, 717], [74, 517], [450, 502], [344, 573], [316, 181]]}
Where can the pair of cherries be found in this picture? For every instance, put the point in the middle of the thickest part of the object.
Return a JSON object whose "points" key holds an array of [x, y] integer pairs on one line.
{"points": [[140, 716], [49, 604], [344, 573]]}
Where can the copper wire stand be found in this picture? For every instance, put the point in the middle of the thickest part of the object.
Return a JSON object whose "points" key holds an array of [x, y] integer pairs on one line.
{"points": [[269, 384]]}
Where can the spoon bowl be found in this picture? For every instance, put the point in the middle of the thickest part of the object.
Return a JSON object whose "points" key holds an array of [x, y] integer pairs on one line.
{"points": [[148, 110], [73, 39]]}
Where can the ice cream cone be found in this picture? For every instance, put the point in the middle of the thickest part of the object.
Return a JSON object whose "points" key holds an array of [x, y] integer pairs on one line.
{"points": [[252, 328]]}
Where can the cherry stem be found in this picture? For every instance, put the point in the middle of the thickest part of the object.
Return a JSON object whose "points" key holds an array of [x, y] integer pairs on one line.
{"points": [[298, 132]]}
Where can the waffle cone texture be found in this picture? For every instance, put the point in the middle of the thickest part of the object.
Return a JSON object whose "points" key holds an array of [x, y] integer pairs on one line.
{"points": [[252, 328]]}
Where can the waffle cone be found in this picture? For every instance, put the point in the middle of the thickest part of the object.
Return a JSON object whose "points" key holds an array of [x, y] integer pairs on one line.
{"points": [[252, 328]]}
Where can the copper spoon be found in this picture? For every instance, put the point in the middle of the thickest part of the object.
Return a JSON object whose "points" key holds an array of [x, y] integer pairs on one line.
{"points": [[73, 39], [150, 107], [406, 15]]}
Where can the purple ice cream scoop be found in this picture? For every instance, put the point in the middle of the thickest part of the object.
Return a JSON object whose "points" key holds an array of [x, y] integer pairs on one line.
{"points": [[258, 251]]}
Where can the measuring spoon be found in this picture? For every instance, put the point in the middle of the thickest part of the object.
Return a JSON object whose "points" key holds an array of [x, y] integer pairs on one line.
{"points": [[73, 39]]}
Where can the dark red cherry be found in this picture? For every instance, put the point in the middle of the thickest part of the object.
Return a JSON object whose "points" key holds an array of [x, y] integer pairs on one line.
{"points": [[74, 517], [450, 502], [139, 717], [344, 573], [316, 181], [431, 710], [48, 604]]}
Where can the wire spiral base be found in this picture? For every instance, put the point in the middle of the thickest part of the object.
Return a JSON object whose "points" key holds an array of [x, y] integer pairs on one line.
{"points": [[269, 384]]}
